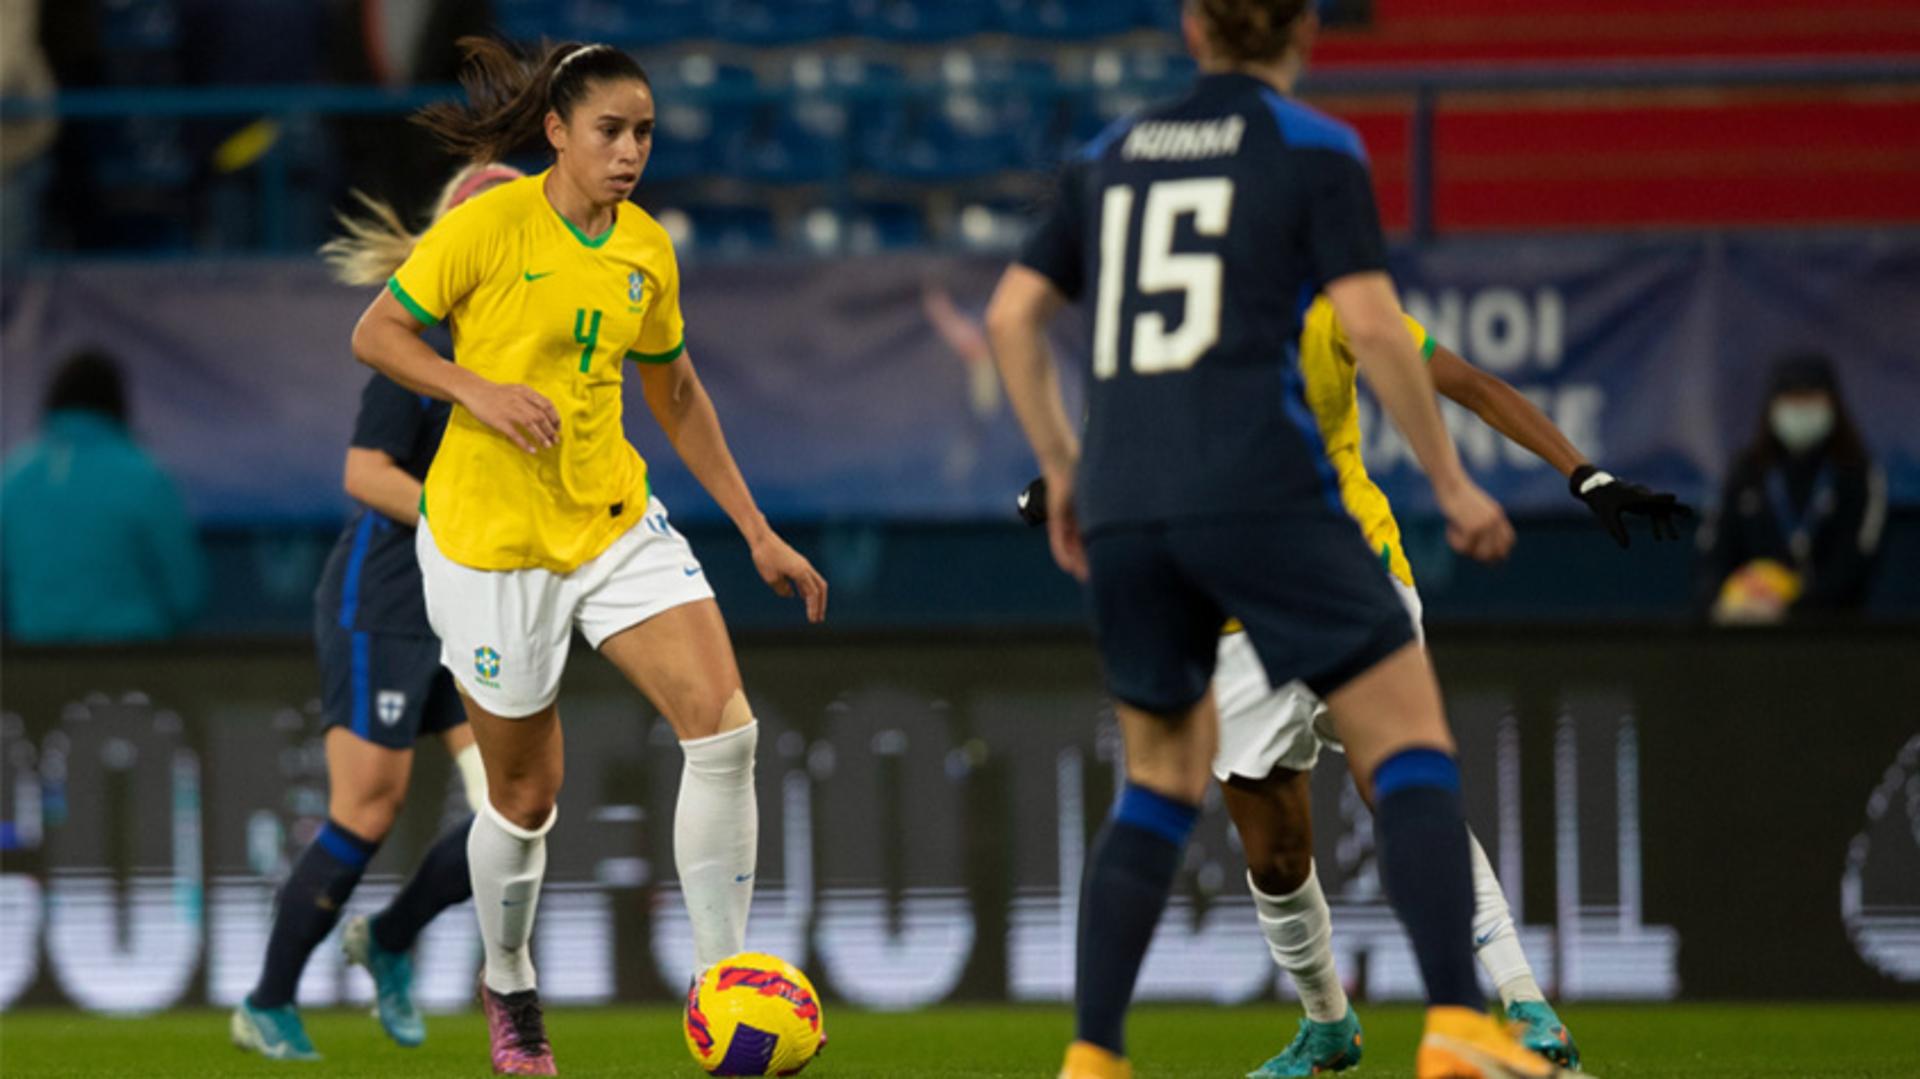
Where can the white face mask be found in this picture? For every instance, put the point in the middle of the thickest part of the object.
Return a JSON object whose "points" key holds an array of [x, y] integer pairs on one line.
{"points": [[1801, 425]]}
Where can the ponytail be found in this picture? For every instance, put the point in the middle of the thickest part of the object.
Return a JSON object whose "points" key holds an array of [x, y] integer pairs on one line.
{"points": [[508, 98], [1250, 31]]}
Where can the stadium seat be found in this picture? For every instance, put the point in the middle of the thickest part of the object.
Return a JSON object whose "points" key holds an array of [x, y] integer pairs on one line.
{"points": [[776, 22], [832, 104], [1160, 15], [721, 230], [1066, 18], [974, 123], [866, 228], [628, 23], [1118, 82], [992, 226], [920, 20], [705, 112]]}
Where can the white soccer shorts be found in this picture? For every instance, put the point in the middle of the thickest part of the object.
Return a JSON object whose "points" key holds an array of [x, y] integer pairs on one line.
{"points": [[505, 633], [1263, 728]]}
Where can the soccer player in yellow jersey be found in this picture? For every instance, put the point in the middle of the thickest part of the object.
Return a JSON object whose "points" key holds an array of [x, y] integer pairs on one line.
{"points": [[537, 518], [1270, 738]]}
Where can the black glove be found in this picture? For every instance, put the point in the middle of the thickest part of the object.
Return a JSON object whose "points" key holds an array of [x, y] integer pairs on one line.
{"points": [[1611, 500], [1032, 502]]}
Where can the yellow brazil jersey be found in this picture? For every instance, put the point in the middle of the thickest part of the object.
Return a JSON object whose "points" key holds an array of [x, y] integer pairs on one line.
{"points": [[532, 300], [1331, 374]]}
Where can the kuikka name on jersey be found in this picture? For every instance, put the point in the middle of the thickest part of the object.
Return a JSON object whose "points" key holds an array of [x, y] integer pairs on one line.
{"points": [[532, 300]]}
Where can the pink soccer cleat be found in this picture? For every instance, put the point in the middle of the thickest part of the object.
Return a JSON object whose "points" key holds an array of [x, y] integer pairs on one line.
{"points": [[518, 1032]]}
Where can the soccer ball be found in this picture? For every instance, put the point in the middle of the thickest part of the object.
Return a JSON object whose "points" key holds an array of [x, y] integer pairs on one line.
{"points": [[753, 1014]]}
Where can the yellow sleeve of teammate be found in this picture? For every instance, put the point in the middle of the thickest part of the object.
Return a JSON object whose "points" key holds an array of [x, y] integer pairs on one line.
{"points": [[663, 333], [449, 262], [1420, 335]]}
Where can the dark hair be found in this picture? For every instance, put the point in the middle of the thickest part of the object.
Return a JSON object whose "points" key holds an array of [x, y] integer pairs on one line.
{"points": [[1800, 372], [508, 98], [89, 381], [1249, 30]]}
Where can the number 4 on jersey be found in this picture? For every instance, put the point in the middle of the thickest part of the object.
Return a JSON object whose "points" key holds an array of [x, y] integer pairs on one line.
{"points": [[586, 335], [1197, 276]]}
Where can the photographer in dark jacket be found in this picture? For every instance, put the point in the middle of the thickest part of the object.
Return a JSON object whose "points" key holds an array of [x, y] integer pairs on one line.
{"points": [[1800, 518]]}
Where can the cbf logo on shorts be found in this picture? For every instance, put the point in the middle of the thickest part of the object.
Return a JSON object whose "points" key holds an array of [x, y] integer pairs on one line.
{"points": [[390, 705], [486, 664]]}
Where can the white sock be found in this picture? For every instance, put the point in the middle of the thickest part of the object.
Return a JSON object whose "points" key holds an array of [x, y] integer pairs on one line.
{"points": [[1299, 932], [473, 776], [507, 863], [716, 840], [1495, 943]]}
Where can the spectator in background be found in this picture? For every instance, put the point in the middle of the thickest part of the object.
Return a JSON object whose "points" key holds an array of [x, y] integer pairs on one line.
{"points": [[1799, 521], [95, 544]]}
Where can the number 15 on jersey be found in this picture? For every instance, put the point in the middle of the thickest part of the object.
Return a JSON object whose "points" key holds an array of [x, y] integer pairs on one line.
{"points": [[1196, 276]]}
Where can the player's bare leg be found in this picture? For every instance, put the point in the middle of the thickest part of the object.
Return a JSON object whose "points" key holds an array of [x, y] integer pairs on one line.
{"points": [[1274, 817], [1398, 745], [683, 661], [507, 857], [1130, 871]]}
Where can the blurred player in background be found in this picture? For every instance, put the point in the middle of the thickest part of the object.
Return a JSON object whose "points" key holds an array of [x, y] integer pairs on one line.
{"points": [[1202, 228], [1270, 738], [382, 689], [537, 516]]}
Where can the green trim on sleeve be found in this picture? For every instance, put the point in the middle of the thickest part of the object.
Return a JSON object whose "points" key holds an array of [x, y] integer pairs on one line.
{"points": [[408, 302], [1426, 348], [423, 503], [668, 356]]}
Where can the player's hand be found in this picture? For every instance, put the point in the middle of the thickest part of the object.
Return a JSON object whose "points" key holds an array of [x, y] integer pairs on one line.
{"points": [[527, 419], [1476, 525], [786, 571], [1612, 499], [1063, 525], [1032, 502]]}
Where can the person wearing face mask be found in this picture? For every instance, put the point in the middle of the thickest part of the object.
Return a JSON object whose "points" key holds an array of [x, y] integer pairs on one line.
{"points": [[1800, 518]]}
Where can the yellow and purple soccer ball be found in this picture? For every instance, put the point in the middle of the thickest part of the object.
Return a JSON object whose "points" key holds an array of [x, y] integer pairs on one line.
{"points": [[753, 1014]]}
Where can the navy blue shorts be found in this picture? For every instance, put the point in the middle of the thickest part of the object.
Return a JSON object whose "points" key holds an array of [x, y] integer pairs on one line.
{"points": [[387, 688], [1316, 604]]}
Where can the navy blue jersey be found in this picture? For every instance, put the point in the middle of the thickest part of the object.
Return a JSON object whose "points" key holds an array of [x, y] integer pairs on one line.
{"points": [[1197, 233], [372, 580]]}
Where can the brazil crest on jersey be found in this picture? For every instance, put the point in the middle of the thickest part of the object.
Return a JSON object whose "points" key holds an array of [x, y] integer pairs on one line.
{"points": [[533, 300], [1198, 232]]}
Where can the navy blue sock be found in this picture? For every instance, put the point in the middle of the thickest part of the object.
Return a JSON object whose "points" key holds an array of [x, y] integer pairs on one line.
{"points": [[1129, 873], [437, 883], [307, 907], [1424, 864]]}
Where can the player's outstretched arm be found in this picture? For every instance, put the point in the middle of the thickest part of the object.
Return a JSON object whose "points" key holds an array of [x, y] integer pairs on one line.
{"points": [[387, 339], [1507, 411], [1369, 310], [1017, 318], [679, 402]]}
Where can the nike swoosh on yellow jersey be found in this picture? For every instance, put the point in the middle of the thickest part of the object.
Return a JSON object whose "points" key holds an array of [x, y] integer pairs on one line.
{"points": [[529, 275]]}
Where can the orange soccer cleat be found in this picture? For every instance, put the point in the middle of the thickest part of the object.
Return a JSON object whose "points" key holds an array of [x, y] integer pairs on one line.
{"points": [[1086, 1060], [1461, 1043]]}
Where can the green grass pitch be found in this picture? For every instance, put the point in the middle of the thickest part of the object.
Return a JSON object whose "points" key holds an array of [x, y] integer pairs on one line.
{"points": [[1749, 1042]]}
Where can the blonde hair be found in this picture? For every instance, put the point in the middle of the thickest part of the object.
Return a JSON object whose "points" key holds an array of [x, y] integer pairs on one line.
{"points": [[377, 242]]}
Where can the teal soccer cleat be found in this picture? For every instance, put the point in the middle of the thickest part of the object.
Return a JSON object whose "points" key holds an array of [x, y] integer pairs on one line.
{"points": [[1317, 1048], [1544, 1033], [392, 983], [274, 1033]]}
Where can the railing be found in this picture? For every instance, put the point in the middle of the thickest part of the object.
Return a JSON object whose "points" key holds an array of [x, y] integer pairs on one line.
{"points": [[1424, 86]]}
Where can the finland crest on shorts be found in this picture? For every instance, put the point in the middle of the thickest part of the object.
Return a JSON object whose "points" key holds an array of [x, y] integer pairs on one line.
{"points": [[390, 705]]}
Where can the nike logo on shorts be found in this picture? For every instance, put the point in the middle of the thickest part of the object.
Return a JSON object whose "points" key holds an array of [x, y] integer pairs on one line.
{"points": [[691, 571]]}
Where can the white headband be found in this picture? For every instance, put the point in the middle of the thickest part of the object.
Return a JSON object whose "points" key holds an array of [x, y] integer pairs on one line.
{"points": [[575, 55]]}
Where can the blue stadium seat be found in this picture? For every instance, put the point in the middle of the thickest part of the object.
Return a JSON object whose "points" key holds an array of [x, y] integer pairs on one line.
{"points": [[973, 124], [625, 23], [1118, 83], [866, 228], [989, 225], [920, 20], [1160, 15], [1067, 18], [722, 230], [831, 105], [776, 22], [705, 111]]}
